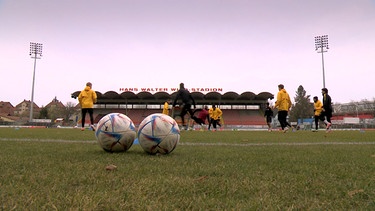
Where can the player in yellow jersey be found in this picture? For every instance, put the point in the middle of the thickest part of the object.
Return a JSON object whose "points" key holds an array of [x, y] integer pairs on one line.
{"points": [[318, 115], [215, 114]]}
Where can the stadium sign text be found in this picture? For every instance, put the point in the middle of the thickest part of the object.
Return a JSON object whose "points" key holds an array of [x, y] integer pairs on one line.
{"points": [[170, 90]]}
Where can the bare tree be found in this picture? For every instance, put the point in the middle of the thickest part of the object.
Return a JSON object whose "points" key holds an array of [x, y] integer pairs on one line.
{"points": [[70, 110]]}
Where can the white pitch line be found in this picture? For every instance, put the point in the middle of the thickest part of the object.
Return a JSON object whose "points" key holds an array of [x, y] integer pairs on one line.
{"points": [[48, 140], [279, 144], [207, 144]]}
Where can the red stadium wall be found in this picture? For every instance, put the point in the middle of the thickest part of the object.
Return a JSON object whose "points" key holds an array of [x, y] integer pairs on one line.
{"points": [[230, 117]]}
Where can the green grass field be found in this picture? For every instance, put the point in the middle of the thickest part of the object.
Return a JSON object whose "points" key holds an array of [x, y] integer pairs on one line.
{"points": [[65, 169]]}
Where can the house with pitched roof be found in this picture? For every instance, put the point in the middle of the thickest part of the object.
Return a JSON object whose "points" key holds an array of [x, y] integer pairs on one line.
{"points": [[23, 108]]}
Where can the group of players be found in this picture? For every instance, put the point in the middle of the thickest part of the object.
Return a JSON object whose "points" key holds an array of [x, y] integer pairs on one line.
{"points": [[212, 115], [322, 111], [87, 98]]}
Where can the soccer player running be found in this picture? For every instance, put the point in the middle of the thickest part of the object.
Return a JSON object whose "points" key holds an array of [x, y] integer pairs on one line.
{"points": [[215, 114], [283, 105], [268, 114], [327, 108], [202, 116], [318, 114], [187, 102]]}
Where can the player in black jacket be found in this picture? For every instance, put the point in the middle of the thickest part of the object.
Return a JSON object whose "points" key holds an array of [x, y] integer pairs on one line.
{"points": [[268, 113], [187, 101], [327, 107]]}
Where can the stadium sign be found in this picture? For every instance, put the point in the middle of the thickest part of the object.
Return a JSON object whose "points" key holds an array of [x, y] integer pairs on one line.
{"points": [[170, 90]]}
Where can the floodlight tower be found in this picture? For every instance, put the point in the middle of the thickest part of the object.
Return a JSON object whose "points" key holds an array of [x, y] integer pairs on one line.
{"points": [[321, 46], [35, 53]]}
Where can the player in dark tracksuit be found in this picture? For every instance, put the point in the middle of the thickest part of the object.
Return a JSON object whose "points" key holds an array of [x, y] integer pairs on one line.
{"points": [[268, 114], [187, 101], [327, 108]]}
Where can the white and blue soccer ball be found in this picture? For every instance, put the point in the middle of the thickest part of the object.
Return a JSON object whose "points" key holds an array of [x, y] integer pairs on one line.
{"points": [[158, 134], [115, 132]]}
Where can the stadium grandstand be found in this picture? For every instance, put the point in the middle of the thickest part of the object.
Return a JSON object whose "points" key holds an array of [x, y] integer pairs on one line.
{"points": [[239, 110]]}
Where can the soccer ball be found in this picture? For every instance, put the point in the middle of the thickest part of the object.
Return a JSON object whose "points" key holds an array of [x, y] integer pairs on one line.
{"points": [[115, 132], [158, 133]]}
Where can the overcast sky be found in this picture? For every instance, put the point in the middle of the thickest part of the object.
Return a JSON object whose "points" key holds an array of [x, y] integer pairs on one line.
{"points": [[235, 45]]}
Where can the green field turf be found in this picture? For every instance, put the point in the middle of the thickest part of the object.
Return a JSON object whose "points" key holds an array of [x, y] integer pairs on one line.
{"points": [[65, 169]]}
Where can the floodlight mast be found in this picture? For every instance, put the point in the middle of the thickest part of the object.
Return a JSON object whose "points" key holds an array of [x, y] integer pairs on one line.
{"points": [[321, 46], [35, 53]]}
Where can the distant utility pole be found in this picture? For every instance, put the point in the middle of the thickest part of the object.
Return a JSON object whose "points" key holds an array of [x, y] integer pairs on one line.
{"points": [[321, 45], [35, 53]]}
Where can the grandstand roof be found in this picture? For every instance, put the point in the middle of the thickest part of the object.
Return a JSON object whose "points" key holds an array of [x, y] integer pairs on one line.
{"points": [[228, 98]]}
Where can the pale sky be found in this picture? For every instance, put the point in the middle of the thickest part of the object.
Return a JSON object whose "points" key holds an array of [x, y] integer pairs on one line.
{"points": [[236, 45]]}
